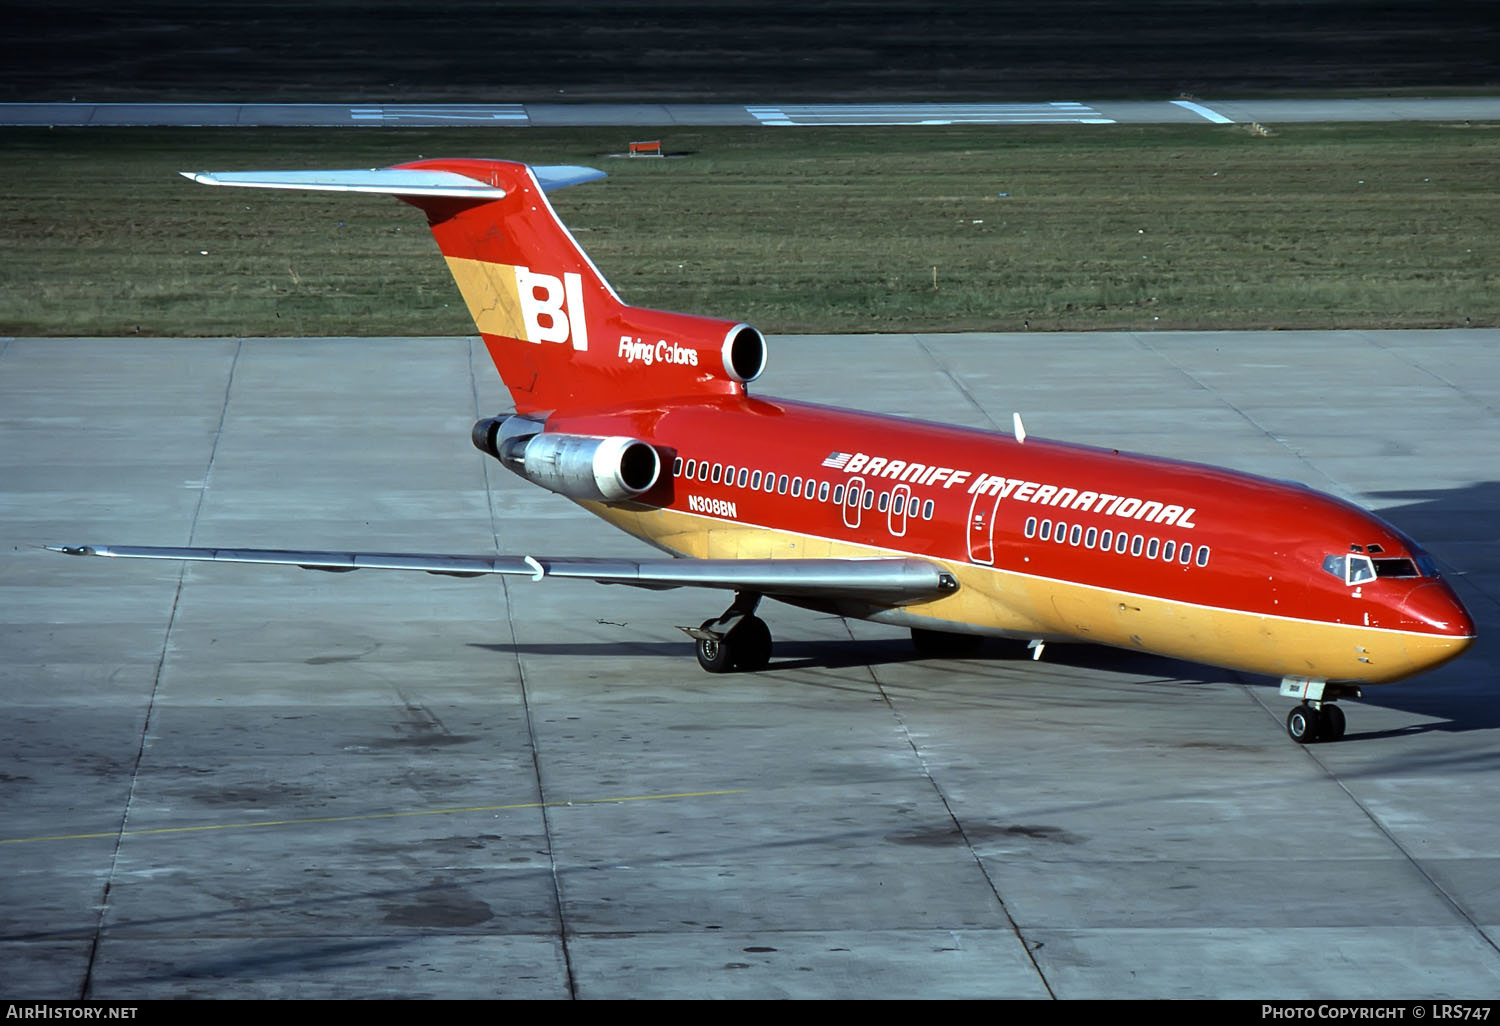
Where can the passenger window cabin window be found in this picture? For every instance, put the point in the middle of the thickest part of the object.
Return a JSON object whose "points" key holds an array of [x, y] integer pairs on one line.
{"points": [[796, 488], [1187, 554], [869, 497], [717, 471], [1122, 542], [781, 483], [927, 508], [898, 505], [755, 481], [1076, 535], [838, 495], [677, 467], [743, 474], [1046, 531], [823, 492], [1106, 541], [692, 465], [703, 471], [1030, 529], [1151, 548], [1090, 537], [1060, 533], [885, 500], [1203, 555], [1168, 550], [1136, 544]]}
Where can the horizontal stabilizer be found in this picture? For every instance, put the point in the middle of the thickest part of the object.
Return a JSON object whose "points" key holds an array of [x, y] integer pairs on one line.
{"points": [[888, 580], [392, 181]]}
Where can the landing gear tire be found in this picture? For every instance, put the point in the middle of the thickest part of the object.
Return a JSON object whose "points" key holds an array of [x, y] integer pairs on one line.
{"points": [[1332, 727], [1304, 724], [715, 656], [750, 644], [1316, 718], [944, 644], [746, 647]]}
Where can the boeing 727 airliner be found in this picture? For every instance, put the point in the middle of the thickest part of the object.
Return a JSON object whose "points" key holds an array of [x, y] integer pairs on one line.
{"points": [[645, 419]]}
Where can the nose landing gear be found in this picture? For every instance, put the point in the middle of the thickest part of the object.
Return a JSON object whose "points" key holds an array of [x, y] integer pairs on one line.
{"points": [[1306, 724], [1317, 718]]}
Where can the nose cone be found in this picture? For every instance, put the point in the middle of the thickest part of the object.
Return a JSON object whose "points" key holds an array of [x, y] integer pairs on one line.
{"points": [[1433, 608], [1439, 627]]}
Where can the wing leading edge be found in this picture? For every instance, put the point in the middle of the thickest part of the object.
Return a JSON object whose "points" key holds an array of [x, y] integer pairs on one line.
{"points": [[893, 580]]}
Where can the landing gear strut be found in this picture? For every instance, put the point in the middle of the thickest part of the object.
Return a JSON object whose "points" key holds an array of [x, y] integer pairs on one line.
{"points": [[737, 640], [1317, 718]]}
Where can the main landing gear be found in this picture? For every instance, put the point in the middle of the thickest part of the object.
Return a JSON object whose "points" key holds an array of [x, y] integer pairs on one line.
{"points": [[1317, 718], [737, 640]]}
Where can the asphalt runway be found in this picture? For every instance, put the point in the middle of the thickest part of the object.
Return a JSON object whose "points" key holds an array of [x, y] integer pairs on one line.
{"points": [[233, 781], [652, 115]]}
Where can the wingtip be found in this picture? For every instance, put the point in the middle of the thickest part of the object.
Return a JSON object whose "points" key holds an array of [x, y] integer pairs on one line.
{"points": [[71, 550]]}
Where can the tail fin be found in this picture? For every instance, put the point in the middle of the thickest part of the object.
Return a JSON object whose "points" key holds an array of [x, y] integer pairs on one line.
{"points": [[558, 334]]}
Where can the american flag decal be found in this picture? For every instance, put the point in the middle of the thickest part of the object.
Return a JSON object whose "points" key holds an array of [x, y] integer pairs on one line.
{"points": [[836, 460]]}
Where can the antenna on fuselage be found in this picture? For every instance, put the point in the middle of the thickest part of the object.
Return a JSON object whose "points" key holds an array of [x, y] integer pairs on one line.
{"points": [[1020, 428]]}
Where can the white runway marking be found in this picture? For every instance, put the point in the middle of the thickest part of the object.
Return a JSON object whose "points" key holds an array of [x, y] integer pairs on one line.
{"points": [[440, 113], [1199, 109], [929, 114], [1153, 112]]}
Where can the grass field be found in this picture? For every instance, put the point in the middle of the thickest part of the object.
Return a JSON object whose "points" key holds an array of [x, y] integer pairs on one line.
{"points": [[952, 228]]}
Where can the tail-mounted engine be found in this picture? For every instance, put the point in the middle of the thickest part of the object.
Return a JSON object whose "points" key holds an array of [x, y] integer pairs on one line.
{"points": [[743, 353], [601, 469], [660, 353]]}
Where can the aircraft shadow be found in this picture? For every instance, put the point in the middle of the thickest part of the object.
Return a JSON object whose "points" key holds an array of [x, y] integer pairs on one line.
{"points": [[830, 654], [790, 653], [1458, 524]]}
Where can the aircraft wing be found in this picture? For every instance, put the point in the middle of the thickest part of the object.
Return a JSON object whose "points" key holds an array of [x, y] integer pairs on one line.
{"points": [[894, 580]]}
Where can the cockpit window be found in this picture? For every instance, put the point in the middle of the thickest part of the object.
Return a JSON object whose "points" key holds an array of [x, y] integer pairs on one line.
{"points": [[1351, 568], [1355, 568]]}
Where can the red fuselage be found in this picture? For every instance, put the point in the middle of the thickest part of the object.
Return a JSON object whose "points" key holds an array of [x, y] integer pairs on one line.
{"points": [[1058, 540]]}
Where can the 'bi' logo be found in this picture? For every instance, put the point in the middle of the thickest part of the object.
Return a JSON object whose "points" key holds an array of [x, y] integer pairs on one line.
{"points": [[544, 305]]}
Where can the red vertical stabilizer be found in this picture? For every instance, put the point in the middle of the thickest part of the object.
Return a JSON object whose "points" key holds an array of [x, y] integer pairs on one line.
{"points": [[559, 335]]}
